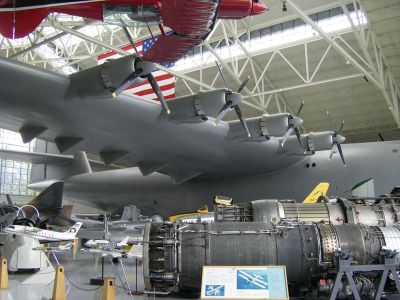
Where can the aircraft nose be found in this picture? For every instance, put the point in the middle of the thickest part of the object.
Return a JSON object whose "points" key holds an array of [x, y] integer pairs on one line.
{"points": [[258, 8], [296, 121], [340, 139]]}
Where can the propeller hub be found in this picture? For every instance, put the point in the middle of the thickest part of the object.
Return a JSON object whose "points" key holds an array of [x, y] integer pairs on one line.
{"points": [[295, 121], [340, 139], [234, 98], [146, 66]]}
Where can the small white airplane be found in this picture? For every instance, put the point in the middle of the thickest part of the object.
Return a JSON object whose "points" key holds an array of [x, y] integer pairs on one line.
{"points": [[58, 249], [253, 279], [45, 236], [134, 251], [107, 243]]}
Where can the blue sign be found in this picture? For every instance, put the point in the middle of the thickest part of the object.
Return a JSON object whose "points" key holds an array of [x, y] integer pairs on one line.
{"points": [[252, 279], [215, 290]]}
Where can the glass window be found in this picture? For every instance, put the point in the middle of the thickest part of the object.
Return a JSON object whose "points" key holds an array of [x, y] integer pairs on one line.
{"points": [[288, 25], [15, 175], [298, 22]]}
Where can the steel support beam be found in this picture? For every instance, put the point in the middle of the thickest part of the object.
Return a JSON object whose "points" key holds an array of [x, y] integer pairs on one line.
{"points": [[308, 84], [233, 75], [91, 39], [369, 74]]}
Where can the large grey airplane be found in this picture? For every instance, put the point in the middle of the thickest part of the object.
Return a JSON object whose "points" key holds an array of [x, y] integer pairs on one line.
{"points": [[175, 159]]}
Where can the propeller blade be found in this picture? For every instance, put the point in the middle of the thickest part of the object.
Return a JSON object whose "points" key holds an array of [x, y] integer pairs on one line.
{"points": [[300, 108], [287, 134], [297, 132], [224, 110], [381, 137], [243, 84], [127, 82], [341, 128], [222, 75], [333, 150], [158, 92], [242, 120], [341, 153]]}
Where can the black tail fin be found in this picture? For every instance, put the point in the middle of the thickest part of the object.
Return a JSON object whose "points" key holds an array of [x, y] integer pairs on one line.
{"points": [[48, 202], [50, 198]]}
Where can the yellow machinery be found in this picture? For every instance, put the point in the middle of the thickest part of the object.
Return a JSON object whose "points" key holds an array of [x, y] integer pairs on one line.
{"points": [[201, 210], [320, 190]]}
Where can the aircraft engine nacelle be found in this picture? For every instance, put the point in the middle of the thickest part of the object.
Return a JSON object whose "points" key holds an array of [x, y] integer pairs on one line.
{"points": [[261, 128], [275, 124], [100, 81], [318, 141], [314, 141], [197, 108]]}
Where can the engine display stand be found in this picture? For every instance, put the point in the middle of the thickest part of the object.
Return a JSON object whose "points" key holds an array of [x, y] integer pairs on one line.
{"points": [[346, 269]]}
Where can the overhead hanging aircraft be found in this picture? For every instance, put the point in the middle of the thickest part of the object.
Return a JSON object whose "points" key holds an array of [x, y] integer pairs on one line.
{"points": [[179, 161], [183, 24], [189, 22]]}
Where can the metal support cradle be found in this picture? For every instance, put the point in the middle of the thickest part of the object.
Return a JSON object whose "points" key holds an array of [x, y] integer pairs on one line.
{"points": [[346, 269]]}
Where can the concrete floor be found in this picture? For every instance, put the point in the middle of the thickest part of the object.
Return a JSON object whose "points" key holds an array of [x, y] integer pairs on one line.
{"points": [[78, 272]]}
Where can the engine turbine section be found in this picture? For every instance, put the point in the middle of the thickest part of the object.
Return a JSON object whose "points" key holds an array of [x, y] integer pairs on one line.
{"points": [[336, 211], [174, 254]]}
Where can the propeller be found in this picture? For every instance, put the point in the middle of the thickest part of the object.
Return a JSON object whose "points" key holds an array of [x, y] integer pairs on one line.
{"points": [[143, 69], [338, 139], [294, 123], [232, 101]]}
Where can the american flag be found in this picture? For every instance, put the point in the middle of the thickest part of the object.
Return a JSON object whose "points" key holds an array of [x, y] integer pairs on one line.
{"points": [[165, 80]]}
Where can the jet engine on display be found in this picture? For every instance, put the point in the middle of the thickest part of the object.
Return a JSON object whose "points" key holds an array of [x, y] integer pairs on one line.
{"points": [[385, 212], [311, 240]]}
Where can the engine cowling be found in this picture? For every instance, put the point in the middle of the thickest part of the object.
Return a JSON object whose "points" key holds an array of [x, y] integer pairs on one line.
{"points": [[314, 141], [262, 128], [100, 81], [197, 108]]}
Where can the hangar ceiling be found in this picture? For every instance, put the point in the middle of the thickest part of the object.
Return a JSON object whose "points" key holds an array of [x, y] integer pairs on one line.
{"points": [[340, 57]]}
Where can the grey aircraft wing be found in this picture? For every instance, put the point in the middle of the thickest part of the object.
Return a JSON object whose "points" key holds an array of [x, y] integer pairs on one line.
{"points": [[77, 112]]}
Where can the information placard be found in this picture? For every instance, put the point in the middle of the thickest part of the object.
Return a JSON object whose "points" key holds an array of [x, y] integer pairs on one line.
{"points": [[244, 282]]}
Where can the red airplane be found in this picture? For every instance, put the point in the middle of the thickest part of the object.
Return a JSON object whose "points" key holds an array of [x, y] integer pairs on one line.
{"points": [[190, 20]]}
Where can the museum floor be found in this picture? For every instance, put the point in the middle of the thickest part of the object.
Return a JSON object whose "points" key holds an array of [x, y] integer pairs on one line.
{"points": [[78, 272]]}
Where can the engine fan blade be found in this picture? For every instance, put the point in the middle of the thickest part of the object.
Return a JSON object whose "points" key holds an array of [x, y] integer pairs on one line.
{"points": [[287, 134], [224, 110], [242, 120], [127, 82], [243, 84], [222, 75], [341, 153], [158, 92]]}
